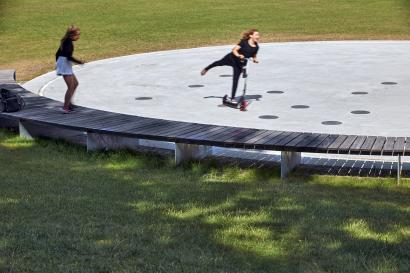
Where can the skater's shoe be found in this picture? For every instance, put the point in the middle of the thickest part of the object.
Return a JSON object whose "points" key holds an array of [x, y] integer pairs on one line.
{"points": [[67, 110], [233, 100], [203, 72]]}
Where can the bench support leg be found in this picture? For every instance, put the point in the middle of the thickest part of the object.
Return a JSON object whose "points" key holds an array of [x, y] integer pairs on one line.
{"points": [[105, 142], [288, 161], [399, 164], [184, 152], [24, 131]]}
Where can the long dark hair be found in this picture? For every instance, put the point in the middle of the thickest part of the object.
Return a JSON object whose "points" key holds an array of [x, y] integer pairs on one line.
{"points": [[71, 31], [246, 35]]}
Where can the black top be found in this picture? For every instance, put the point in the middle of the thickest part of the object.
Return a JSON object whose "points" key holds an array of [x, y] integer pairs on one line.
{"points": [[247, 50], [66, 50]]}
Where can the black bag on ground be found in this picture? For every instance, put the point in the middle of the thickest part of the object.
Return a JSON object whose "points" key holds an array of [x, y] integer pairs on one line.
{"points": [[10, 101]]}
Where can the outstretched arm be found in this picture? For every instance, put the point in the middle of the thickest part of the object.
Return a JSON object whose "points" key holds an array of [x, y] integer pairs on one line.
{"points": [[255, 59], [76, 60]]}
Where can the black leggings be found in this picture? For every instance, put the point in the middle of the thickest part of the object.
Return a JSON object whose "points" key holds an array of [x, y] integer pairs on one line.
{"points": [[237, 66]]}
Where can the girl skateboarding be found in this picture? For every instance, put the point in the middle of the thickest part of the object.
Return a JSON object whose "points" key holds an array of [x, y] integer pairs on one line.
{"points": [[246, 48]]}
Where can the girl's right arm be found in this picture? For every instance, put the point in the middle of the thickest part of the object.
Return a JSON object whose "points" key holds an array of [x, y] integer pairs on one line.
{"points": [[235, 52]]}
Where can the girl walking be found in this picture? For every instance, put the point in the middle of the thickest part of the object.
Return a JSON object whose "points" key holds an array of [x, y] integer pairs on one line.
{"points": [[64, 60], [246, 48]]}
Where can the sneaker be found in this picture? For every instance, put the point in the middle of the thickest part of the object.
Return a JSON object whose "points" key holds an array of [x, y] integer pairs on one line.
{"points": [[67, 110]]}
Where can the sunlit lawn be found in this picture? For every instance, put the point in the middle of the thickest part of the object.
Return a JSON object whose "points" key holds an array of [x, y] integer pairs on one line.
{"points": [[30, 30], [65, 210]]}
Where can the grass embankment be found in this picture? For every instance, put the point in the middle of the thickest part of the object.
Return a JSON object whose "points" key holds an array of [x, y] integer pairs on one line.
{"points": [[65, 210], [31, 29]]}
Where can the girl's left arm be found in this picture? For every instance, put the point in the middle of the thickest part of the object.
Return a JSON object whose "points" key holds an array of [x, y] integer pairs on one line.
{"points": [[255, 59]]}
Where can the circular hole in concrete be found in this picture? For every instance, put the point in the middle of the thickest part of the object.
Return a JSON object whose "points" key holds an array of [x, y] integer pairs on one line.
{"points": [[275, 92], [143, 98], [268, 117], [389, 83], [331, 122], [300, 106], [360, 93], [195, 85], [360, 112], [225, 76]]}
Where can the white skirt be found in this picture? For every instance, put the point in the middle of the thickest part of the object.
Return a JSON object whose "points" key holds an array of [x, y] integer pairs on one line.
{"points": [[64, 66]]}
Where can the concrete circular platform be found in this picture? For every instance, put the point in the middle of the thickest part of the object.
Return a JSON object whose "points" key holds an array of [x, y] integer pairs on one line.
{"points": [[349, 87]]}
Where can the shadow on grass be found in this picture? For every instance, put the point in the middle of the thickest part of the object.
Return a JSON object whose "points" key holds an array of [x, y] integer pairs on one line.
{"points": [[66, 210]]}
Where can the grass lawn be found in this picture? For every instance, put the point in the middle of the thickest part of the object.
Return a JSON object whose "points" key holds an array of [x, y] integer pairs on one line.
{"points": [[65, 210], [30, 30]]}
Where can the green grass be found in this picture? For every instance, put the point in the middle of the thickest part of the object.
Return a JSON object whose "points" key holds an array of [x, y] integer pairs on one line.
{"points": [[65, 210], [31, 29]]}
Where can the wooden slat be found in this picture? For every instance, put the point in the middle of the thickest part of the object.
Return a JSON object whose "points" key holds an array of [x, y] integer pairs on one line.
{"points": [[83, 119], [163, 129], [236, 140], [121, 126], [258, 141], [213, 138], [367, 146], [9, 85], [206, 132], [389, 145], [29, 114], [292, 145], [228, 132], [398, 148], [112, 124], [345, 147], [322, 147], [262, 138], [334, 146], [237, 135], [378, 146], [316, 142], [139, 129], [357, 144], [239, 140], [288, 139], [184, 136], [407, 147], [274, 137], [307, 140], [255, 135], [197, 128], [191, 128], [279, 142]]}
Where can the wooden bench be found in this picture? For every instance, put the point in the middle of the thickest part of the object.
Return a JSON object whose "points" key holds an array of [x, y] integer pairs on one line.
{"points": [[108, 130]]}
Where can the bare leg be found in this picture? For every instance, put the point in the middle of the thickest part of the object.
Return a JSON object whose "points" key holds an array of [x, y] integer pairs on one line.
{"points": [[75, 88], [70, 81]]}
